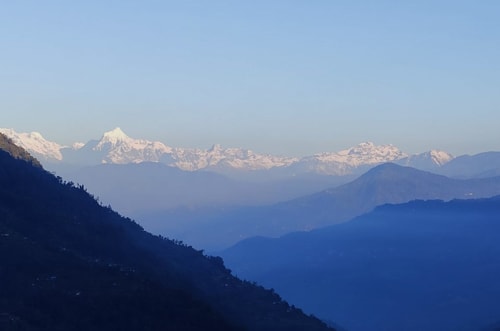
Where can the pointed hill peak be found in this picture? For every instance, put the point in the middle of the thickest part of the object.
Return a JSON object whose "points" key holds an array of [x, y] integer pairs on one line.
{"points": [[440, 157], [216, 148], [393, 168], [366, 144], [117, 147], [116, 134], [113, 137]]}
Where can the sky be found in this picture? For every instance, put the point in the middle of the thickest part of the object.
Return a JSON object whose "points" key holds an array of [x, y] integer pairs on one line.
{"points": [[281, 77]]}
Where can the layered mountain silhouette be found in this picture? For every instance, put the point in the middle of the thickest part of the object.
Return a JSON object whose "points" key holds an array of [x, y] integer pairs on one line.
{"points": [[387, 183], [473, 166], [422, 265], [69, 263]]}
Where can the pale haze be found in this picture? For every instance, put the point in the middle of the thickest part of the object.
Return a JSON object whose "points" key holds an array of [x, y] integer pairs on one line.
{"points": [[280, 77]]}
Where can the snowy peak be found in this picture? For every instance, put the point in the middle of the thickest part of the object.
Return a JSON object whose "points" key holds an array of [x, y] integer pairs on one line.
{"points": [[440, 157], [362, 148], [120, 148], [215, 149], [113, 138], [348, 160], [363, 154], [221, 158], [369, 153], [428, 160], [36, 144], [115, 135], [116, 132], [77, 145]]}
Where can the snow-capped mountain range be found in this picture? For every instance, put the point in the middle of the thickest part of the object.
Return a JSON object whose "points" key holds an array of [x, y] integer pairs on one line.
{"points": [[118, 148], [36, 144]]}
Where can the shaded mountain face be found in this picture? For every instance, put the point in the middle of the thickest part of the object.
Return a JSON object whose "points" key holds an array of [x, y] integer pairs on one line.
{"points": [[387, 183], [473, 166], [422, 265], [390, 183], [69, 263]]}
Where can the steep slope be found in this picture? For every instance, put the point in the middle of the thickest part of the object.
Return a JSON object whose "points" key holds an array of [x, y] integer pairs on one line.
{"points": [[35, 143], [8, 146], [387, 183], [69, 263], [423, 265]]}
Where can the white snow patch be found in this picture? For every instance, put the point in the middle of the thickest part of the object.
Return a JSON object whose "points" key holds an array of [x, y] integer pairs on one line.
{"points": [[35, 143]]}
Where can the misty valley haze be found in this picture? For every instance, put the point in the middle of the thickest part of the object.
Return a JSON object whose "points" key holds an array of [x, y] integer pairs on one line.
{"points": [[214, 198], [390, 264]]}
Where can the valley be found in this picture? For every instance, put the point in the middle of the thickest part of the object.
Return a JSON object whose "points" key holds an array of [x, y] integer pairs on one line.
{"points": [[333, 233]]}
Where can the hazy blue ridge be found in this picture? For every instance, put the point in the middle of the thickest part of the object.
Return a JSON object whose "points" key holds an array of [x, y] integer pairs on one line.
{"points": [[386, 183], [422, 265]]}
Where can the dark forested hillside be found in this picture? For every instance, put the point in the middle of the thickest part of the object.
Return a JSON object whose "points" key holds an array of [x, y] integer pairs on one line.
{"points": [[68, 263]]}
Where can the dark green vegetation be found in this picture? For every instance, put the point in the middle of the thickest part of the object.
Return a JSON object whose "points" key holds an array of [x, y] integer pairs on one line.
{"points": [[68, 263], [422, 265]]}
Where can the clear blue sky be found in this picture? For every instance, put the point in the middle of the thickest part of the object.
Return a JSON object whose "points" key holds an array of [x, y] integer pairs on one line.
{"points": [[284, 77]]}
